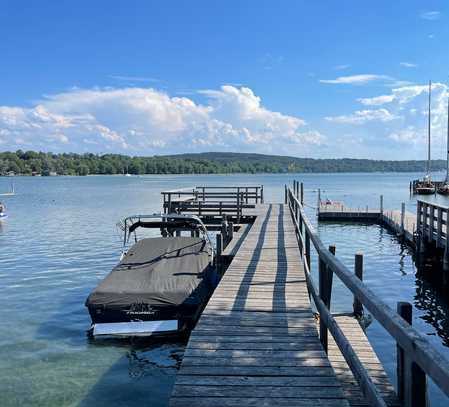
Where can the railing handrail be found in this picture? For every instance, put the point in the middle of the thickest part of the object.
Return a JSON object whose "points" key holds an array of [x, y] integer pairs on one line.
{"points": [[435, 205], [416, 345]]}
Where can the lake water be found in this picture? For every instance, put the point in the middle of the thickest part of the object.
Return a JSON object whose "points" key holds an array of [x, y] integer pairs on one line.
{"points": [[60, 240]]}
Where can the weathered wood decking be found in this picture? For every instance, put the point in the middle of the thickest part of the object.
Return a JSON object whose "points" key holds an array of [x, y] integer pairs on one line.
{"points": [[256, 343], [361, 345]]}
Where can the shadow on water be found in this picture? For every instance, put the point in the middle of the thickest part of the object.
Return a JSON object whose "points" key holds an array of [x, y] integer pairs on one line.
{"points": [[144, 375]]}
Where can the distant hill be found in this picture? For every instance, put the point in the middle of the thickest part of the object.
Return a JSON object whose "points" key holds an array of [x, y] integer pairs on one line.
{"points": [[277, 163], [31, 162]]}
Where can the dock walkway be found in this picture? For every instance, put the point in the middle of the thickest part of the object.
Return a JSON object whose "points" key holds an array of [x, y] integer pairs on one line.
{"points": [[256, 343]]}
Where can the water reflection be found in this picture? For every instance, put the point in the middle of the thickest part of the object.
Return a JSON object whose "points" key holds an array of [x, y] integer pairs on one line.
{"points": [[435, 310]]}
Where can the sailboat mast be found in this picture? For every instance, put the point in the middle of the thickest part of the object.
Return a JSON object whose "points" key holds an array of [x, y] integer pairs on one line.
{"points": [[428, 130]]}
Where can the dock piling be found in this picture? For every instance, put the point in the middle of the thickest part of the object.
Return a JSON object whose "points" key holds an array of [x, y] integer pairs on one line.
{"points": [[402, 218]]}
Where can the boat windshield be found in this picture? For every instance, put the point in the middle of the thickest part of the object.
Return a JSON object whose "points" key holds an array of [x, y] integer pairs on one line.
{"points": [[165, 225]]}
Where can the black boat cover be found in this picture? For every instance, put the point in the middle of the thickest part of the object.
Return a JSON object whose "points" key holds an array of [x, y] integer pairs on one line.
{"points": [[157, 271]]}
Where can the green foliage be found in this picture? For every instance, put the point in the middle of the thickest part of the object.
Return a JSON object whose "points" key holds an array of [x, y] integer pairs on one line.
{"points": [[26, 163]]}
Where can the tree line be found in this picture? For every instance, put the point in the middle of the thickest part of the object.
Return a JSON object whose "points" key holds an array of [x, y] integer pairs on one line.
{"points": [[41, 163]]}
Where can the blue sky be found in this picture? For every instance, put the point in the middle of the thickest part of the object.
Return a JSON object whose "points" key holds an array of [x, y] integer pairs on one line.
{"points": [[318, 79]]}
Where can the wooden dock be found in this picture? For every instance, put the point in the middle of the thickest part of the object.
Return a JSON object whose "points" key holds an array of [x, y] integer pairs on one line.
{"points": [[257, 342], [400, 222]]}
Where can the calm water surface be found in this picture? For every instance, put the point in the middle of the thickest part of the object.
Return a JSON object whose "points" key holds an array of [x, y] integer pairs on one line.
{"points": [[60, 241]]}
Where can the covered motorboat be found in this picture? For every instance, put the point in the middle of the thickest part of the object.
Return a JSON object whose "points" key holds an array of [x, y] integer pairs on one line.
{"points": [[161, 284]]}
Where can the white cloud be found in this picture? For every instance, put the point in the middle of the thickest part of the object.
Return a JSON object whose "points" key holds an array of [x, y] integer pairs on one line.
{"points": [[363, 116], [431, 15], [408, 65], [144, 121], [341, 67], [401, 131], [377, 100], [408, 135], [357, 79]]}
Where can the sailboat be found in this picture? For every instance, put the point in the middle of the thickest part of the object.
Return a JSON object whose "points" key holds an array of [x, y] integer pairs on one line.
{"points": [[11, 192], [426, 186], [444, 187]]}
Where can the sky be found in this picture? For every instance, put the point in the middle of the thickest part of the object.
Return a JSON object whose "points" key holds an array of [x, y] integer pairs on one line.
{"points": [[321, 79]]}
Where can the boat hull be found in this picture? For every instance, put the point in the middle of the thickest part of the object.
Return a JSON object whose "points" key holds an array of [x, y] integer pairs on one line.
{"points": [[138, 315], [425, 190]]}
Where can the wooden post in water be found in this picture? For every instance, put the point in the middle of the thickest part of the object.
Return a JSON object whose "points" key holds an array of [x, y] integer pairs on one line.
{"points": [[402, 218], [319, 200], [325, 291], [412, 381], [358, 268], [381, 208]]}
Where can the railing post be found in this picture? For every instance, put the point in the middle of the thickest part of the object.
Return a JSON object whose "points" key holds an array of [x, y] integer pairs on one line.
{"points": [[412, 381], [322, 289], [439, 226], [230, 231], [224, 233], [261, 194], [307, 248], [219, 250], [446, 252], [325, 291], [358, 268], [302, 193], [285, 194]]}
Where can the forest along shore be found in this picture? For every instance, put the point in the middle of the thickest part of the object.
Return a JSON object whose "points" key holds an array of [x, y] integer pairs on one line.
{"points": [[39, 163]]}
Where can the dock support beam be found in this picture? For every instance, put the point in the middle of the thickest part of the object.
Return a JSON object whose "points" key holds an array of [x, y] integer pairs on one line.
{"points": [[412, 381], [358, 268]]}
